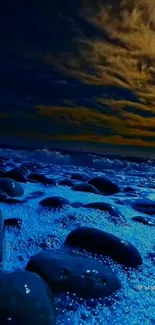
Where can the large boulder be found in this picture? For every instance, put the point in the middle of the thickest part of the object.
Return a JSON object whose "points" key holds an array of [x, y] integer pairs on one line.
{"points": [[79, 176], [11, 187], [25, 299], [100, 242], [41, 178], [68, 271], [19, 174], [54, 202], [104, 185]]}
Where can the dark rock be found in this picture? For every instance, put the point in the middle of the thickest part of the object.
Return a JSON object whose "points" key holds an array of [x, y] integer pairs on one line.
{"points": [[54, 202], [145, 220], [13, 222], [66, 182], [100, 242], [85, 187], [19, 174], [25, 299], [104, 185], [41, 178], [31, 166], [128, 189], [79, 176], [115, 214], [144, 205], [35, 195], [68, 271], [11, 187], [10, 200]]}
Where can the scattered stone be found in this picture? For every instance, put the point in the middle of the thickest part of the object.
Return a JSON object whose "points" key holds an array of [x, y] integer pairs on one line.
{"points": [[11, 187], [100, 242], [13, 222], [66, 182], [19, 174], [128, 189], [144, 205], [104, 185], [41, 178], [115, 214], [79, 176], [25, 299], [68, 271], [145, 220], [35, 195], [85, 187], [54, 202]]}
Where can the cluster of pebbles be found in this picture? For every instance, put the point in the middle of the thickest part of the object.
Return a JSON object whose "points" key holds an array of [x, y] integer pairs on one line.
{"points": [[28, 295]]}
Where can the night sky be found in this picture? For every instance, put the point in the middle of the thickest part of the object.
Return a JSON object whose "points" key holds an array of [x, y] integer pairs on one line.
{"points": [[76, 74]]}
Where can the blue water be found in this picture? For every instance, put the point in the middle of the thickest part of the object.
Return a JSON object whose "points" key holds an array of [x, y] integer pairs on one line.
{"points": [[136, 300]]}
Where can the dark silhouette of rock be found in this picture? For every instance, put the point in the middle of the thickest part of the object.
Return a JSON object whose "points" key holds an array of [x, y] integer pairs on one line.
{"points": [[54, 202], [114, 213], [100, 242], [144, 205], [35, 195], [104, 185], [85, 187], [145, 220], [68, 271], [66, 182], [25, 299], [13, 222], [41, 178], [79, 176], [128, 189], [11, 187], [19, 174]]}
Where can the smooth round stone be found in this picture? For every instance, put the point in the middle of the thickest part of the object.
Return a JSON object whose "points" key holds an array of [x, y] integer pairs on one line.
{"points": [[11, 187], [25, 299], [145, 220], [13, 222], [144, 205], [19, 174], [100, 242], [115, 214], [128, 189], [85, 187], [42, 178], [66, 182], [104, 185], [67, 271], [54, 202], [79, 176]]}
